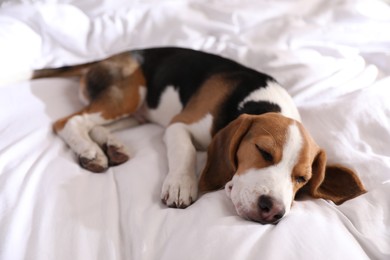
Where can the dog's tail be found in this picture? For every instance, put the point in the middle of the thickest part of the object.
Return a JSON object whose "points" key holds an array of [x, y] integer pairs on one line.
{"points": [[67, 71]]}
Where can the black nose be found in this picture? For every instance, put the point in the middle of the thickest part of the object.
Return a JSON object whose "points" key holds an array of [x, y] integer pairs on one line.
{"points": [[265, 203], [270, 210]]}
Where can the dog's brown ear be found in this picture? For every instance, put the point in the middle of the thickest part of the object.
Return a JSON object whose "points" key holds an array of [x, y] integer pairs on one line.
{"points": [[221, 154], [335, 183]]}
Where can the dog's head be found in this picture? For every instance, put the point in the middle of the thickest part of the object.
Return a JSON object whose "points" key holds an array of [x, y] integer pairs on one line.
{"points": [[264, 160]]}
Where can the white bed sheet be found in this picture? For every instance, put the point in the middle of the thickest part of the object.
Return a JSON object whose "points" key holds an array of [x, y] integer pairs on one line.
{"points": [[332, 56]]}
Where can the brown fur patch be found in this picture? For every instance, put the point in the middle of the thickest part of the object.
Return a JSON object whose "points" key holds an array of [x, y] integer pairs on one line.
{"points": [[303, 167], [268, 133], [336, 183], [122, 95], [221, 155], [68, 71], [121, 98], [207, 100], [235, 149], [60, 124]]}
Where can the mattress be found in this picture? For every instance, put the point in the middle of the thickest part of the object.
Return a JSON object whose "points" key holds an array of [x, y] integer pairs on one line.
{"points": [[333, 57]]}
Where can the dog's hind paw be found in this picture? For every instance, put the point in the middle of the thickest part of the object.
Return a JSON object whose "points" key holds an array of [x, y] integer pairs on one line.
{"points": [[116, 154], [179, 191], [115, 151], [97, 163]]}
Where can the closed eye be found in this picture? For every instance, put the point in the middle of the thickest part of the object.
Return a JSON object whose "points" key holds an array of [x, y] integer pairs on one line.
{"points": [[300, 179], [266, 155]]}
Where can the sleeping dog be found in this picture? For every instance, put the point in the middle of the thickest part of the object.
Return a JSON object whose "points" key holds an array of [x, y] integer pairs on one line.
{"points": [[257, 148]]}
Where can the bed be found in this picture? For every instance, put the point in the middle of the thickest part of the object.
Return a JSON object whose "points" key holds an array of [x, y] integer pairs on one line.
{"points": [[333, 57]]}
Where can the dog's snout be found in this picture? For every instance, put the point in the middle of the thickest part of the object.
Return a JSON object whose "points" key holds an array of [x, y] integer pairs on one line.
{"points": [[271, 211]]}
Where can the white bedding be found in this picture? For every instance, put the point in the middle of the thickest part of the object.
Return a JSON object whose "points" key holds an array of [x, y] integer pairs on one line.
{"points": [[332, 56]]}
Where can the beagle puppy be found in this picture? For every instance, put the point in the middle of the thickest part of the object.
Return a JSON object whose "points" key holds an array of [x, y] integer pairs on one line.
{"points": [[257, 148]]}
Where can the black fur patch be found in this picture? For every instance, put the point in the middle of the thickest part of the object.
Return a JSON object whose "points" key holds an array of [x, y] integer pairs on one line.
{"points": [[186, 70], [260, 107], [247, 82]]}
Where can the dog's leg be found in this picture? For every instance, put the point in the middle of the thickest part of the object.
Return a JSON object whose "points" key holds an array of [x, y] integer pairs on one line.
{"points": [[122, 98], [115, 151], [180, 186], [74, 130]]}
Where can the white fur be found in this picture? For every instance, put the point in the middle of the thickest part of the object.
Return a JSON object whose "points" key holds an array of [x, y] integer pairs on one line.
{"points": [[142, 95], [275, 181], [76, 135], [129, 69], [169, 106], [180, 187], [102, 136], [201, 132], [276, 94]]}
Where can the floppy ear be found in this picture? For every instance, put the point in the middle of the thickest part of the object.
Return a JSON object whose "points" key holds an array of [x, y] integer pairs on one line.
{"points": [[335, 183], [221, 154]]}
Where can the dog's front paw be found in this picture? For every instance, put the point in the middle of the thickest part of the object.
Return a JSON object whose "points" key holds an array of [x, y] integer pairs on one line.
{"points": [[179, 191], [93, 160]]}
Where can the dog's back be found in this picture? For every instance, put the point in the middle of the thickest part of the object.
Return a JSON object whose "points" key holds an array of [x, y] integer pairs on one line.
{"points": [[226, 87]]}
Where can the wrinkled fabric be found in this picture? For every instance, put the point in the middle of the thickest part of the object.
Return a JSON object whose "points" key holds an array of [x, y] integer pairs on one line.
{"points": [[333, 57]]}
